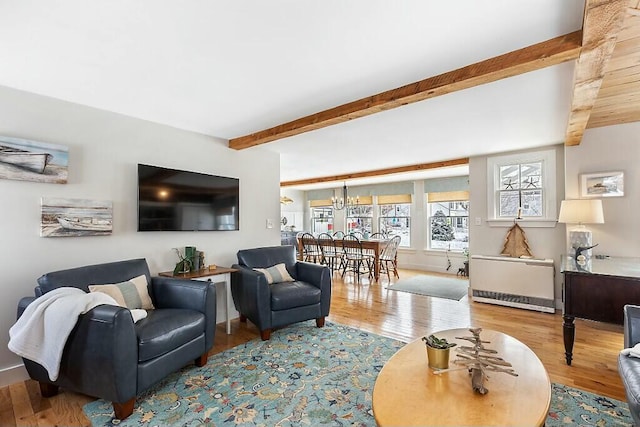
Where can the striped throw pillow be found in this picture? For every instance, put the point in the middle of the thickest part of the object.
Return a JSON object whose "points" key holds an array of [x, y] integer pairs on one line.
{"points": [[131, 294], [276, 274]]}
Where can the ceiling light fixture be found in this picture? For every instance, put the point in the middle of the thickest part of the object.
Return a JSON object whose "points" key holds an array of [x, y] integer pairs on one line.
{"points": [[345, 201]]}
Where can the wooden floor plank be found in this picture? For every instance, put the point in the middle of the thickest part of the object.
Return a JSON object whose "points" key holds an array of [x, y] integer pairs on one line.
{"points": [[22, 409], [7, 418], [399, 315]]}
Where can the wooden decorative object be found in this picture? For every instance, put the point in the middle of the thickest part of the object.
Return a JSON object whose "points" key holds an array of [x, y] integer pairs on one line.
{"points": [[515, 244], [479, 359]]}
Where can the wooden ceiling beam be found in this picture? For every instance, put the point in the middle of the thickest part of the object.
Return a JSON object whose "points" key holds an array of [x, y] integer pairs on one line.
{"points": [[534, 57], [378, 172], [603, 20]]}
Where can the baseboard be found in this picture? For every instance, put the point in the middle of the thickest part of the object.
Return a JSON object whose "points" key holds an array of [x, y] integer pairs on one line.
{"points": [[13, 375], [428, 268]]}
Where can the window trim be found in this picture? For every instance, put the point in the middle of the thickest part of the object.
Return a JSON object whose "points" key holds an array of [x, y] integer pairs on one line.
{"points": [[548, 159]]}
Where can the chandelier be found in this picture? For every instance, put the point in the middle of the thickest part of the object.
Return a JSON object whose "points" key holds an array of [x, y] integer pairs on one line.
{"points": [[345, 201]]}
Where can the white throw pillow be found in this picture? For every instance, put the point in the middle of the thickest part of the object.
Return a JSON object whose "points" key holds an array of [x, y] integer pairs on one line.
{"points": [[276, 274]]}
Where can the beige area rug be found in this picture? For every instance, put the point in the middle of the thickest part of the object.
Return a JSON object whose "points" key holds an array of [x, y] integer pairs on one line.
{"points": [[433, 286]]}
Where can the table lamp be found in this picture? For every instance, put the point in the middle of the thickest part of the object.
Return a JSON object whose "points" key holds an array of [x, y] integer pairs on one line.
{"points": [[580, 212]]}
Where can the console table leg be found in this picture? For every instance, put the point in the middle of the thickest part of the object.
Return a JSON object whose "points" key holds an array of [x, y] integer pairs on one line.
{"points": [[569, 335]]}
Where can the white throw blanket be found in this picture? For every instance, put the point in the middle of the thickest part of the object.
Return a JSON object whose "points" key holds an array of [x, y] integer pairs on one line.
{"points": [[633, 351], [41, 333]]}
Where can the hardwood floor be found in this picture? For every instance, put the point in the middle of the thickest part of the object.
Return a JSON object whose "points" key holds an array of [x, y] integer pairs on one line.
{"points": [[397, 315]]}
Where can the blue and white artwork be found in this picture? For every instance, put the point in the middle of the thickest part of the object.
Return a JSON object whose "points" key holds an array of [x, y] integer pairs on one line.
{"points": [[75, 217], [27, 160]]}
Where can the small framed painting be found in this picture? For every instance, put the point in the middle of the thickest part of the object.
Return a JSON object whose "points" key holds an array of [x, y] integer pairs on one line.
{"points": [[75, 217], [605, 184], [28, 160]]}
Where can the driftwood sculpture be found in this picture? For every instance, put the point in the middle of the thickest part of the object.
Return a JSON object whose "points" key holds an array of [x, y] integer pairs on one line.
{"points": [[478, 360], [516, 244]]}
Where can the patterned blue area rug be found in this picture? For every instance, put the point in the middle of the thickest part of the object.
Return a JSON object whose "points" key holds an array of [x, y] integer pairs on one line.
{"points": [[574, 407], [305, 376]]}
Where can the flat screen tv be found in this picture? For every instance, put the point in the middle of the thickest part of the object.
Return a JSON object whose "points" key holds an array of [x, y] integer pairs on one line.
{"points": [[177, 200]]}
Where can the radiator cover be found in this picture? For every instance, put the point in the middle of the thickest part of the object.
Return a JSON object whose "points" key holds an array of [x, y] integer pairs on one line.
{"points": [[513, 282]]}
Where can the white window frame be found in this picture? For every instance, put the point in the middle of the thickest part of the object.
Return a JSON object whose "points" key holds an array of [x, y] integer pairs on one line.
{"points": [[364, 217], [548, 160], [331, 217], [428, 225], [381, 218]]}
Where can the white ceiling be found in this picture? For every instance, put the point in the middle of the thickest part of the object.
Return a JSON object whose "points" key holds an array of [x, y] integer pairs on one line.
{"points": [[230, 68]]}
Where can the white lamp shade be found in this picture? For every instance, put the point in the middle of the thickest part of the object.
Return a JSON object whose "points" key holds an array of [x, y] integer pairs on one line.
{"points": [[581, 211]]}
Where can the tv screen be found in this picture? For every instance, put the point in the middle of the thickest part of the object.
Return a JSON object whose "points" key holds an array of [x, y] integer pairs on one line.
{"points": [[176, 200]]}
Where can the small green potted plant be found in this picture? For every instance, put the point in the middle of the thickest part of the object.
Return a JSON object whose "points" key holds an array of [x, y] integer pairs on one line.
{"points": [[438, 351], [183, 266]]}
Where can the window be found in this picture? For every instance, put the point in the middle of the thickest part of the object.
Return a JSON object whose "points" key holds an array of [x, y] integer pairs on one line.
{"points": [[520, 193], [449, 225], [360, 219], [322, 220], [522, 185], [395, 220]]}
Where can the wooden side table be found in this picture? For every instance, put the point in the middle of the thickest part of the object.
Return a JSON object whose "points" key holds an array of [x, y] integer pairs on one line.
{"points": [[218, 275]]}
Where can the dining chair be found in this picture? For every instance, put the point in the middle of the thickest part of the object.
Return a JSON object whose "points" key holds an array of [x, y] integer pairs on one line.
{"points": [[376, 235], [338, 234], [389, 256], [355, 259], [332, 257], [357, 234], [311, 250]]}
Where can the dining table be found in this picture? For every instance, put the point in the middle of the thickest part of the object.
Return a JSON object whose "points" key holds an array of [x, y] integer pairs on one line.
{"points": [[375, 245]]}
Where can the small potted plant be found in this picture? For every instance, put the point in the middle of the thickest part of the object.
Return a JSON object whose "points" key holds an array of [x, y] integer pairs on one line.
{"points": [[183, 266], [438, 351]]}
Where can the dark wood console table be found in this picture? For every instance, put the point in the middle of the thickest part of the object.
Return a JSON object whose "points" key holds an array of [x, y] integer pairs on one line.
{"points": [[597, 291]]}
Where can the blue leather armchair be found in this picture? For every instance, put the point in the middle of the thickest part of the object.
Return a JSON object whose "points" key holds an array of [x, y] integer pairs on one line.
{"points": [[279, 304], [629, 367], [109, 356]]}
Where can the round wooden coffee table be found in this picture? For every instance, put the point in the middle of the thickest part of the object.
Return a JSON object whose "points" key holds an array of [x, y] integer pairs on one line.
{"points": [[408, 393]]}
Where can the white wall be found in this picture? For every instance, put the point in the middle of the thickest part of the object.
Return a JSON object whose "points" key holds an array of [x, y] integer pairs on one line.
{"points": [[294, 212], [545, 242], [608, 149], [104, 149]]}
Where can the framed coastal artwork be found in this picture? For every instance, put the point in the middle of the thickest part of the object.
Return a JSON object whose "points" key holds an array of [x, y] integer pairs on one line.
{"points": [[75, 217], [27, 160], [604, 184]]}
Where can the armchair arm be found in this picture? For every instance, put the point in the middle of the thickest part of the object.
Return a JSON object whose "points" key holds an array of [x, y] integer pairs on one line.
{"points": [[100, 357], [22, 305], [319, 276], [631, 325], [252, 296], [195, 295]]}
